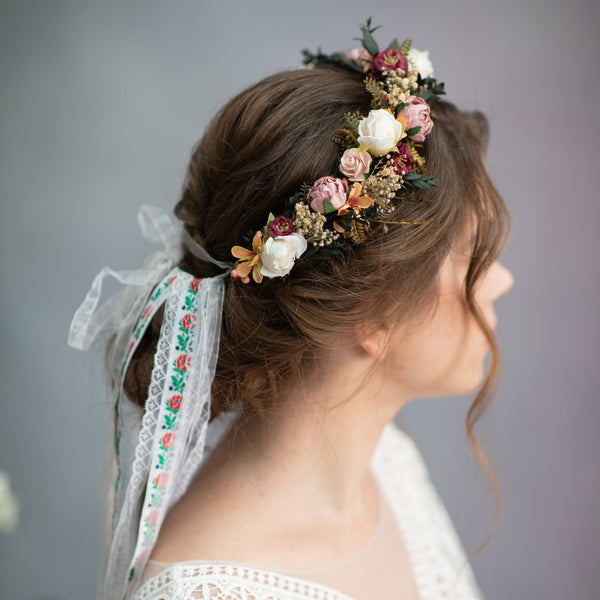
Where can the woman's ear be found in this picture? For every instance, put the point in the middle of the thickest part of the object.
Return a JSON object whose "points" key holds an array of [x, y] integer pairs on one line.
{"points": [[371, 338]]}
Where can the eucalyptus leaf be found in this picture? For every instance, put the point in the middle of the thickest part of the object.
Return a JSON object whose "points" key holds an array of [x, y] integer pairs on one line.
{"points": [[394, 44], [369, 43]]}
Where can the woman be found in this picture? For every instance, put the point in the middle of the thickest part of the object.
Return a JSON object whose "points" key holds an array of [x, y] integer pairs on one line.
{"points": [[372, 286]]}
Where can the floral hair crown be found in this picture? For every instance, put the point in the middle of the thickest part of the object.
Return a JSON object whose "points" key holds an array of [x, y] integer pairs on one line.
{"points": [[381, 162]]}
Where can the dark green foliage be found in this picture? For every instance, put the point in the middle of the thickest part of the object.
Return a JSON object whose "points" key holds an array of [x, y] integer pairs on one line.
{"points": [[434, 89], [422, 182]]}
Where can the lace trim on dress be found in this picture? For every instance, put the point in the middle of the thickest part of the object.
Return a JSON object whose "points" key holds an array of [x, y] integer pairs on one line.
{"points": [[224, 581]]}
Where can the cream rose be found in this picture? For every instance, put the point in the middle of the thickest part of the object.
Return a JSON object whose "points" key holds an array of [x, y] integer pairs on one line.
{"points": [[421, 62], [379, 132], [279, 254]]}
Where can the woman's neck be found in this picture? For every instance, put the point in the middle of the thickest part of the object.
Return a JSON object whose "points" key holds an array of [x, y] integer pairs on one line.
{"points": [[313, 453]]}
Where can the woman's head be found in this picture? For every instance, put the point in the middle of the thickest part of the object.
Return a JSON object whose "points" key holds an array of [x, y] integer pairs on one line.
{"points": [[259, 149]]}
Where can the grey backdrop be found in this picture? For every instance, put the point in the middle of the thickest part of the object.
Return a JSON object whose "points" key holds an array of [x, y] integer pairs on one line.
{"points": [[100, 105]]}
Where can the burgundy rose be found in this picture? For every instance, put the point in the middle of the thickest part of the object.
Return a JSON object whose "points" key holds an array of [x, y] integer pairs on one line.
{"points": [[152, 517], [161, 480], [402, 160], [167, 440], [175, 402], [195, 284], [280, 226], [182, 362], [188, 322], [388, 60]]}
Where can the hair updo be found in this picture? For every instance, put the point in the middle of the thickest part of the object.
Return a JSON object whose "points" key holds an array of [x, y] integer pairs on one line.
{"points": [[257, 151]]}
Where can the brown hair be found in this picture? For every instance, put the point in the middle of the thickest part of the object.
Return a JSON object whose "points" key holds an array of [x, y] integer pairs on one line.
{"points": [[257, 151]]}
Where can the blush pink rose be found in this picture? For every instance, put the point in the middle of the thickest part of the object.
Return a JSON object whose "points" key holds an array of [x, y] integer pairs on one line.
{"points": [[359, 56], [328, 189], [355, 164], [416, 113]]}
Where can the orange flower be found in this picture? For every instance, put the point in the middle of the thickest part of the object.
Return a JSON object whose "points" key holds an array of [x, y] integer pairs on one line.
{"points": [[355, 200], [402, 120], [249, 260]]}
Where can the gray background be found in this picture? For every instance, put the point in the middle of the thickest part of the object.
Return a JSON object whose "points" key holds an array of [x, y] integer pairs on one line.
{"points": [[100, 105]]}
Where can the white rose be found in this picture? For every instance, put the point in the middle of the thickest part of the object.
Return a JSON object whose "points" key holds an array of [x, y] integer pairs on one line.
{"points": [[421, 62], [279, 254], [379, 132]]}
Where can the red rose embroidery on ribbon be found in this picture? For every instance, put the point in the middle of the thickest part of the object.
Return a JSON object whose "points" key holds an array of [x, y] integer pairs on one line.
{"points": [[167, 440], [188, 322], [147, 312], [152, 517], [131, 345], [175, 402], [171, 280], [182, 362], [195, 284], [161, 480]]}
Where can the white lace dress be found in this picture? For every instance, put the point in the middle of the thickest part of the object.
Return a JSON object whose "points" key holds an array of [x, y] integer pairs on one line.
{"points": [[413, 509]]}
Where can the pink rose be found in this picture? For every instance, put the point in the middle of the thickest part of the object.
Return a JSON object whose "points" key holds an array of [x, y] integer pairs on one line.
{"points": [[161, 480], [175, 402], [359, 56], [402, 160], [182, 362], [355, 164], [328, 189], [388, 60], [416, 113], [280, 226], [188, 322], [152, 517]]}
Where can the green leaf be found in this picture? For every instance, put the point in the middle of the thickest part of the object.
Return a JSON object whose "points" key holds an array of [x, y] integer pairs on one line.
{"points": [[368, 42], [422, 182], [270, 218], [434, 89], [394, 45], [413, 130], [328, 207]]}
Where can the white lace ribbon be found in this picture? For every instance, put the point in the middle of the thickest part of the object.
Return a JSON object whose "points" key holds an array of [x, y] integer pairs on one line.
{"points": [[171, 442], [89, 320]]}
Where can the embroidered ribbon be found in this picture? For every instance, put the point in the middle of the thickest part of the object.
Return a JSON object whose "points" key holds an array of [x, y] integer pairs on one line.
{"points": [[170, 445]]}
